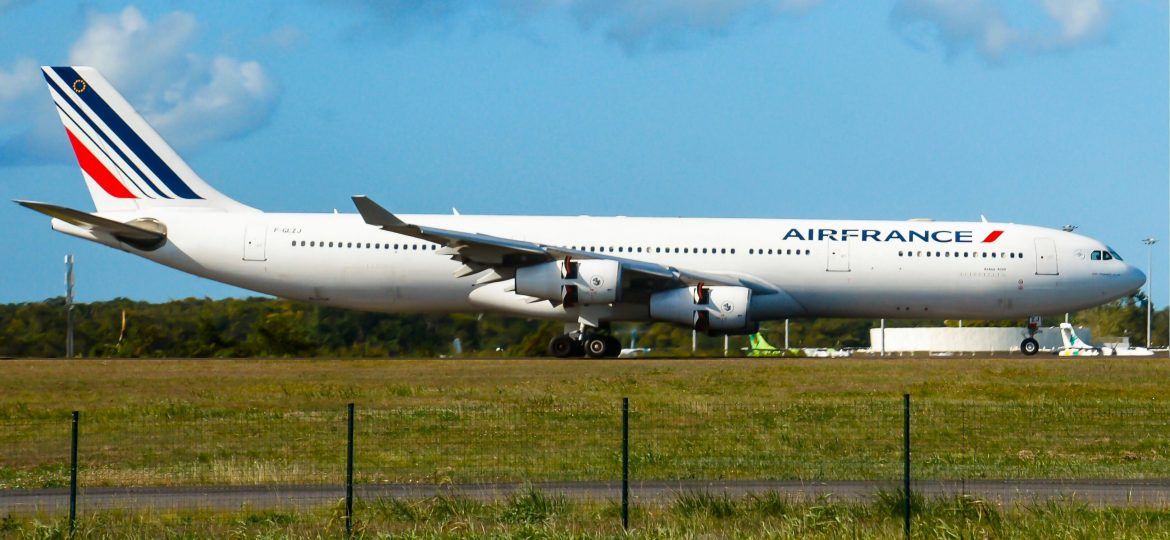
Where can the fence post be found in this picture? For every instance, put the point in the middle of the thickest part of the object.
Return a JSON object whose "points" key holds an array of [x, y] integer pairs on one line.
{"points": [[906, 463], [73, 478], [625, 463], [349, 475]]}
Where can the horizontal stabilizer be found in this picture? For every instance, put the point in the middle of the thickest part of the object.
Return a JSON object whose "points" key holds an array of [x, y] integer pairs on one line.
{"points": [[142, 234]]}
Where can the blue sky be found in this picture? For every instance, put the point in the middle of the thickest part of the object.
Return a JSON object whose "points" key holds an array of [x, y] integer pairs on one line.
{"points": [[1046, 112]]}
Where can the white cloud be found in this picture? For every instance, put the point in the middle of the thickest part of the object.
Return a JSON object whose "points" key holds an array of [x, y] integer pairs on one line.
{"points": [[1079, 19], [190, 99], [17, 86], [284, 37], [959, 25], [222, 98], [635, 25]]}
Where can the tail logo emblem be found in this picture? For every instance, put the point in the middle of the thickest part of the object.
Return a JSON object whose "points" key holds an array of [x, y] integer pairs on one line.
{"points": [[79, 86]]}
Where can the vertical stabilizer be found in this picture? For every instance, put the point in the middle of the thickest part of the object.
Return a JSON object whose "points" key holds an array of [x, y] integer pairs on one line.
{"points": [[758, 343], [1070, 339], [125, 163]]}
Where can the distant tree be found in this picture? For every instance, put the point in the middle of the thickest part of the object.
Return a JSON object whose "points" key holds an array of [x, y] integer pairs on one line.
{"points": [[1124, 317]]}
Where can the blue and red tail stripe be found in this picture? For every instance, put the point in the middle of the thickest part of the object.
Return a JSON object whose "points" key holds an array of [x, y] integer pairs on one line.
{"points": [[120, 130], [100, 174]]}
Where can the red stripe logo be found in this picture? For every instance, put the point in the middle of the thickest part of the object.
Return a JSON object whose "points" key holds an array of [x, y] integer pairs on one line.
{"points": [[100, 174], [992, 237]]}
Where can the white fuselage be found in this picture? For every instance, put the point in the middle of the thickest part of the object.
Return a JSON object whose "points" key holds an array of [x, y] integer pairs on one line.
{"points": [[892, 269]]}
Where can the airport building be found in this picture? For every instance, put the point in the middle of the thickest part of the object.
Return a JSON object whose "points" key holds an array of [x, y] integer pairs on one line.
{"points": [[947, 339]]}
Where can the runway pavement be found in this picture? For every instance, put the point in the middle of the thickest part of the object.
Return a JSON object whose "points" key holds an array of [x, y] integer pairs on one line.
{"points": [[1151, 493]]}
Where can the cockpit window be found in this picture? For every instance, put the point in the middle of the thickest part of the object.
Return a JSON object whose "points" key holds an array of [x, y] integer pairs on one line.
{"points": [[1111, 254], [1106, 256], [1096, 256]]}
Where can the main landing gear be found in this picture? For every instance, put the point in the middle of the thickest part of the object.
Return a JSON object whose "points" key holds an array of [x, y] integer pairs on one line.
{"points": [[576, 344], [1030, 346]]}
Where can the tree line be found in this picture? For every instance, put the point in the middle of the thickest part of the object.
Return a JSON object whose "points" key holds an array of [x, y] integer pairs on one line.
{"points": [[266, 327]]}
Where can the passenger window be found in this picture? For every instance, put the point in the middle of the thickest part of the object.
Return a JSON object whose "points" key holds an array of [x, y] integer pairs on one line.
{"points": [[733, 251]]}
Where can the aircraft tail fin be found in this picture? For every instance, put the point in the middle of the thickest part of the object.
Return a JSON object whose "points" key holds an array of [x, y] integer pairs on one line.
{"points": [[125, 163], [758, 343], [1068, 336]]}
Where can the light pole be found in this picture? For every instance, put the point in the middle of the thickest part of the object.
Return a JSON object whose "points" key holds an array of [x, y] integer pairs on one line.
{"points": [[1149, 242], [69, 306]]}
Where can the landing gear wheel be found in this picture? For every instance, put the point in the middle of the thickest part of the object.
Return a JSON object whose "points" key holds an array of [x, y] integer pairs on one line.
{"points": [[1029, 347], [613, 347], [562, 346], [596, 347]]}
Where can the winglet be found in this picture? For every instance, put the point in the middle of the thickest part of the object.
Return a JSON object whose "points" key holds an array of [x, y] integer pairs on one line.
{"points": [[374, 214]]}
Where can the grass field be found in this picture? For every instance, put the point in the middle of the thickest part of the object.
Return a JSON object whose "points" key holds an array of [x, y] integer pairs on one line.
{"points": [[535, 514], [249, 422], [173, 422]]}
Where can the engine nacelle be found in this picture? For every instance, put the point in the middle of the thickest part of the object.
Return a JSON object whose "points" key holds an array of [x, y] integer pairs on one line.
{"points": [[571, 282], [721, 309]]}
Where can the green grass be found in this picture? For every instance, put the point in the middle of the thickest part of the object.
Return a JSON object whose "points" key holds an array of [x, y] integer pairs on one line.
{"points": [[533, 514], [250, 422]]}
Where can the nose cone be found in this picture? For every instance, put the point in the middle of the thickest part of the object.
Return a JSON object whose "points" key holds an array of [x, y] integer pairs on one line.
{"points": [[1133, 278]]}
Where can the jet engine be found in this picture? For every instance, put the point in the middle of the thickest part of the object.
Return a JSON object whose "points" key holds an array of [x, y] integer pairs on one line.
{"points": [[571, 282], [719, 309]]}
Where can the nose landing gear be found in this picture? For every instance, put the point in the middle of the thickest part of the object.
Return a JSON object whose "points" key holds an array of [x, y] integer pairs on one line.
{"points": [[1030, 346]]}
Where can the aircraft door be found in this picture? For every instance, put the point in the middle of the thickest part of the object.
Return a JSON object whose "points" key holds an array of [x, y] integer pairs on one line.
{"points": [[1046, 257], [254, 240], [838, 253]]}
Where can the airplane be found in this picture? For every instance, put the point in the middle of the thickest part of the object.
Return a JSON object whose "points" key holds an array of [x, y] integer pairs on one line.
{"points": [[716, 275], [1075, 346], [633, 350], [758, 346]]}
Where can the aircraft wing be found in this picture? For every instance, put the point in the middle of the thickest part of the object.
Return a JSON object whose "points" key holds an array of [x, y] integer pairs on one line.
{"points": [[479, 252]]}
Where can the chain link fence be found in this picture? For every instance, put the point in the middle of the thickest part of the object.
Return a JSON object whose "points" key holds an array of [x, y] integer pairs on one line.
{"points": [[183, 458]]}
